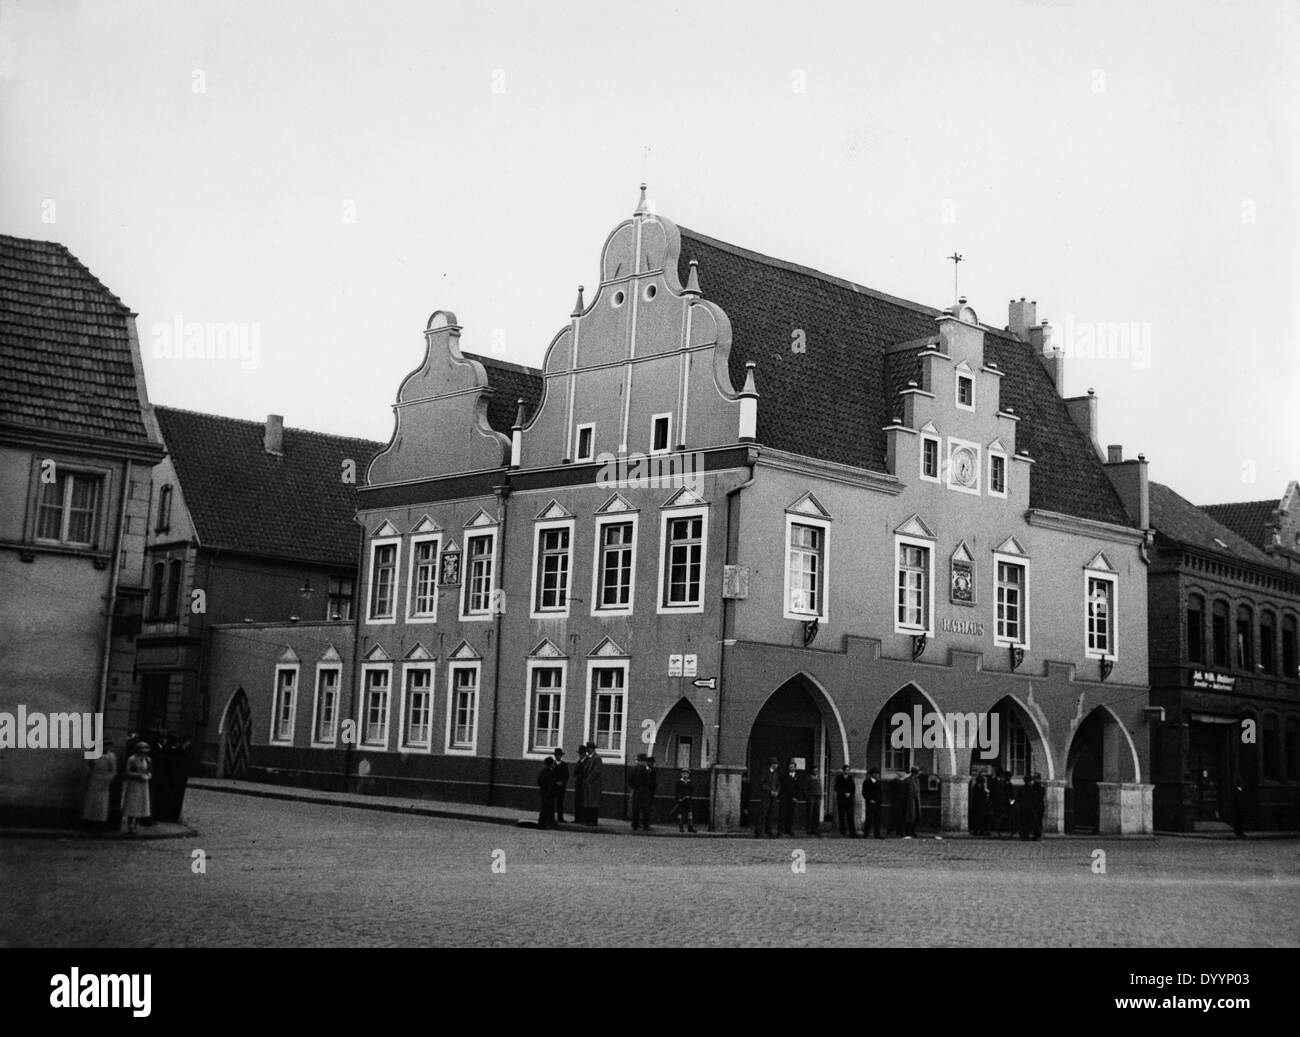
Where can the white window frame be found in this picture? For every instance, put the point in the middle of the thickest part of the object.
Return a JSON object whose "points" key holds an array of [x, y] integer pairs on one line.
{"points": [[404, 746], [938, 459], [412, 582], [788, 610], [337, 670], [668, 439], [452, 669], [364, 719], [1006, 472], [588, 721], [375, 545], [535, 610], [903, 540], [955, 444], [98, 477], [620, 518], [530, 750], [961, 376], [467, 575], [661, 589], [998, 638], [276, 737], [590, 455], [1112, 620]]}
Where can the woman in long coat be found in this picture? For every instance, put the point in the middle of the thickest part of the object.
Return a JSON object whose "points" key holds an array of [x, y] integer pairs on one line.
{"points": [[135, 789], [94, 808], [591, 785]]}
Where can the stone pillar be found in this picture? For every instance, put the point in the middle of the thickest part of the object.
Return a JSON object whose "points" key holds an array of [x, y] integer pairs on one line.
{"points": [[724, 814], [1126, 808], [1054, 806], [953, 802]]}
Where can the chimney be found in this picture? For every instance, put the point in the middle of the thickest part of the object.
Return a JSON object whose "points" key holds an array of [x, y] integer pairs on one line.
{"points": [[749, 406], [1021, 316], [1130, 481], [517, 434], [1051, 357], [273, 438], [1083, 410]]}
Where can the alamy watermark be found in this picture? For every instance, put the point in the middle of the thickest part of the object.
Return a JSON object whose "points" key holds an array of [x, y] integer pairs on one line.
{"points": [[669, 470], [1088, 340], [921, 730], [194, 340], [24, 730]]}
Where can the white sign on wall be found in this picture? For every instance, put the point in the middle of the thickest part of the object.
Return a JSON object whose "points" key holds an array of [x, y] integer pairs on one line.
{"points": [[674, 666], [690, 665]]}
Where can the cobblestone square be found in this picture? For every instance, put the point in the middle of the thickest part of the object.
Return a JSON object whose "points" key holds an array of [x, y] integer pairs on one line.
{"points": [[300, 874]]}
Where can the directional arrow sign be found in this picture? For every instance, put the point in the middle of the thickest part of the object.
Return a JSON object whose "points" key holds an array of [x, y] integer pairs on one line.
{"points": [[710, 683]]}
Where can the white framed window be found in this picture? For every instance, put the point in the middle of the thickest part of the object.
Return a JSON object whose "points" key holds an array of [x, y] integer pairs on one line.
{"points": [[1099, 603], [422, 606], [682, 559], [805, 567], [613, 585], [544, 719], [462, 708], [585, 443], [325, 712], [1017, 760], [607, 707], [376, 682], [479, 576], [1011, 619], [339, 595], [661, 426], [997, 474], [895, 759], [67, 509], [382, 607], [930, 458], [913, 585], [552, 557], [417, 707], [286, 703], [964, 472], [965, 395]]}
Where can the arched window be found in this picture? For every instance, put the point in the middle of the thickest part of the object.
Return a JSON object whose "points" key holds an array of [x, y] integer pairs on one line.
{"points": [[1219, 632], [156, 590], [1288, 648], [164, 510], [174, 589], [1245, 639], [1267, 642], [1195, 628]]}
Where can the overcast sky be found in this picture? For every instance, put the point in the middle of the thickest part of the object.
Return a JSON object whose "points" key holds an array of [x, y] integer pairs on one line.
{"points": [[328, 174]]}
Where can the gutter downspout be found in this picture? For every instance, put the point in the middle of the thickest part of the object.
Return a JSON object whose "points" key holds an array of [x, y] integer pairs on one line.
{"points": [[357, 587], [732, 496], [502, 493], [114, 572]]}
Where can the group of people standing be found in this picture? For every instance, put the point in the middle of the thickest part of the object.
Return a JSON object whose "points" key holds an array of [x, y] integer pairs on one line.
{"points": [[553, 781], [779, 792], [996, 800]]}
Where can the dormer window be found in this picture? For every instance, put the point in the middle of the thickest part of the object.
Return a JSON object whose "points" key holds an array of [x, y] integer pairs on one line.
{"points": [[586, 435], [930, 458], [659, 436], [966, 392]]}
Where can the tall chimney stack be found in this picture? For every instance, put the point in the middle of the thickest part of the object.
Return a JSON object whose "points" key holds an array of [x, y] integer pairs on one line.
{"points": [[1021, 316], [273, 438]]}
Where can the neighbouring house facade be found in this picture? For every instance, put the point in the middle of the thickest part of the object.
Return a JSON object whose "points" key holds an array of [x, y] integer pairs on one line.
{"points": [[77, 446], [1224, 597], [745, 509], [248, 522]]}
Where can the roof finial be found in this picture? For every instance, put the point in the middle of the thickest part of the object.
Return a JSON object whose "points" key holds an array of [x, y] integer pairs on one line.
{"points": [[956, 258], [641, 208], [692, 281], [578, 306]]}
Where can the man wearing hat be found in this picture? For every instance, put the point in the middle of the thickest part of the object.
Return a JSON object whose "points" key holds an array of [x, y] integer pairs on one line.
{"points": [[591, 787], [642, 783], [911, 802], [561, 782], [769, 792], [579, 780], [844, 786]]}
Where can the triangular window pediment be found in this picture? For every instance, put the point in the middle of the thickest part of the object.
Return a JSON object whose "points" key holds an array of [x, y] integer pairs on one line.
{"points": [[616, 503], [464, 650], [554, 510], [546, 650], [1100, 563], [808, 504], [963, 367], [683, 498], [418, 653], [607, 649], [929, 428], [331, 655], [480, 518], [288, 656], [1010, 546], [426, 525], [996, 447], [962, 554], [914, 527], [378, 655], [386, 529]]}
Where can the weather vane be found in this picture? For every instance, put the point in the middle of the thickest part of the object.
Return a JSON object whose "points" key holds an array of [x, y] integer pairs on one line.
{"points": [[956, 258]]}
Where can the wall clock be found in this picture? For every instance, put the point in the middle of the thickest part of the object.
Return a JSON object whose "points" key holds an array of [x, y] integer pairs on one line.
{"points": [[963, 466]]}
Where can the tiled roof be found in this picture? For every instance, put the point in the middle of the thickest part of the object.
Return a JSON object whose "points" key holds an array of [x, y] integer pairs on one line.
{"points": [[1248, 519], [65, 350], [833, 400], [1175, 518], [510, 382], [241, 498]]}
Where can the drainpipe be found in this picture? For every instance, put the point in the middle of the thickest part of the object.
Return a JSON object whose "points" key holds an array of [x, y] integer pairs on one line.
{"points": [[114, 572], [732, 495], [357, 653], [498, 607]]}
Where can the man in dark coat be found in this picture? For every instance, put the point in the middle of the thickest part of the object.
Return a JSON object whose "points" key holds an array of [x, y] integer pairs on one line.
{"points": [[579, 780], [812, 794], [642, 782], [788, 788], [911, 802], [999, 800], [1238, 807], [844, 785], [591, 787], [769, 789], [561, 782], [871, 795], [682, 805], [546, 794]]}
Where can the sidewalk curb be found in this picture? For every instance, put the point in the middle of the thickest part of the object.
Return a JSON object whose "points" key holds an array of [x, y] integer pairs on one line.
{"points": [[84, 836]]}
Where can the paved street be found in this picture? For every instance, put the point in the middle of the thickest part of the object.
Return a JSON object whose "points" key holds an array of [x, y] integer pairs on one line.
{"points": [[302, 874]]}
